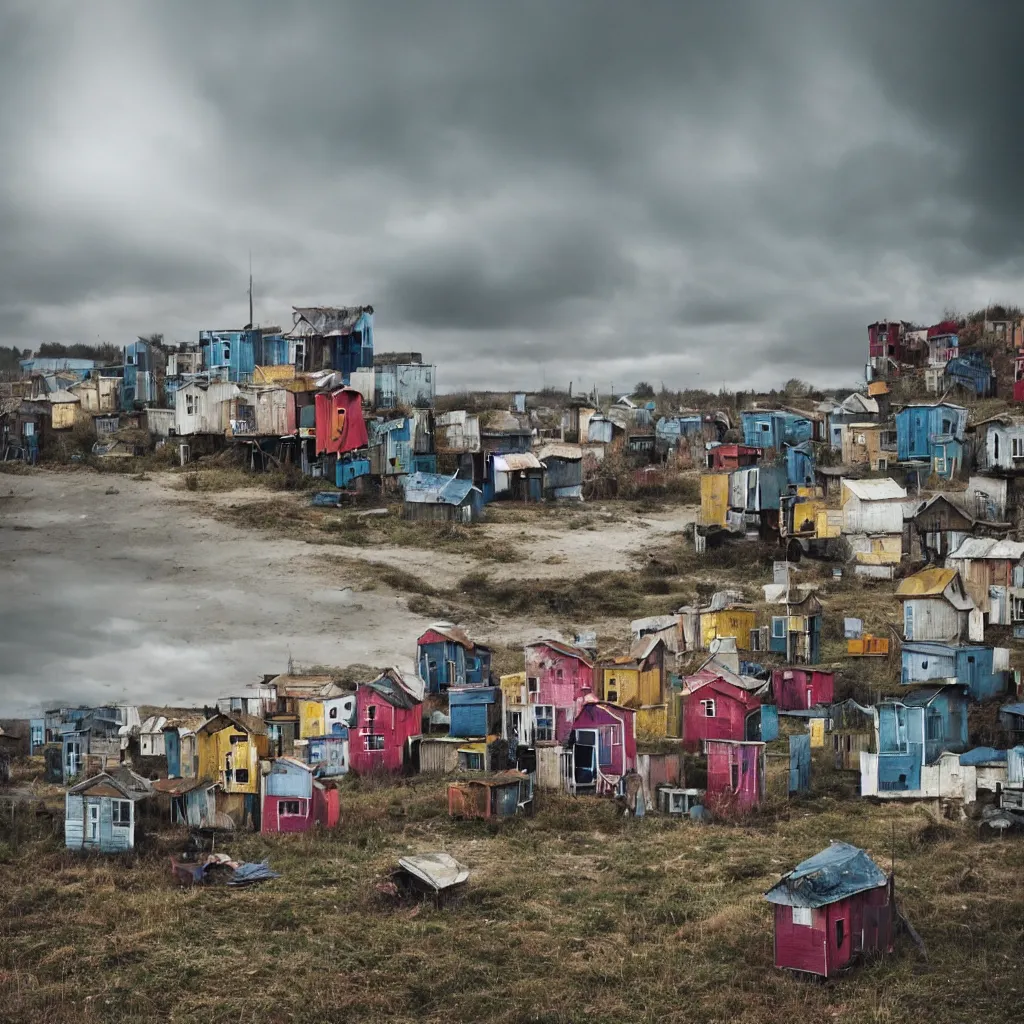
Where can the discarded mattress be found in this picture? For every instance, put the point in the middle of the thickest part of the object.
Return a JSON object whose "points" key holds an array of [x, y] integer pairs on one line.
{"points": [[437, 871]]}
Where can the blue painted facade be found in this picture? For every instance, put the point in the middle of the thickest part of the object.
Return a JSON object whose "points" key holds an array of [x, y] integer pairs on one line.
{"points": [[172, 750], [329, 754], [973, 372], [230, 354], [274, 350], [921, 428], [780, 642], [769, 722], [799, 763], [448, 663], [424, 464], [800, 465], [36, 735], [347, 470], [139, 383], [670, 429], [52, 364], [945, 719], [969, 664], [773, 428], [475, 712], [288, 779]]}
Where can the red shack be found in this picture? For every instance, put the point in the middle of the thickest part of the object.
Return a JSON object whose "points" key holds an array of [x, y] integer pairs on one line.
{"points": [[388, 715], [603, 748], [720, 708], [558, 678], [735, 775], [799, 689], [339, 421], [734, 456], [295, 801], [831, 909]]}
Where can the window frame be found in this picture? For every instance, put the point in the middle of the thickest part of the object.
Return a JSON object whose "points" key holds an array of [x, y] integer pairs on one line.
{"points": [[118, 809], [373, 742], [708, 707], [543, 713], [284, 808], [803, 917]]}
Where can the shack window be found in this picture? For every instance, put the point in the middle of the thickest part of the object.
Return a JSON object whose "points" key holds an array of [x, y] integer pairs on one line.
{"points": [[707, 708], [734, 777], [371, 715], [840, 933], [122, 812], [543, 722], [779, 627], [1016, 447], [613, 691], [531, 684], [472, 760], [227, 351], [802, 916], [374, 741], [242, 775], [190, 405], [235, 739], [558, 674], [292, 807], [333, 713]]}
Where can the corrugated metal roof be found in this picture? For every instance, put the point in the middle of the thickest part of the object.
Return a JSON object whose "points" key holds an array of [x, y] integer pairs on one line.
{"points": [[875, 490], [560, 451], [989, 547], [563, 648], [437, 489], [515, 461], [325, 320]]}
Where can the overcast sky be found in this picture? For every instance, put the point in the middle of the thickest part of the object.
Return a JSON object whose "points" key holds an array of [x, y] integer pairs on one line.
{"points": [[528, 193]]}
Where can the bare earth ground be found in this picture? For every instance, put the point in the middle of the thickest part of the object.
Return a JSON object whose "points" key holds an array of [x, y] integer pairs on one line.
{"points": [[144, 595]]}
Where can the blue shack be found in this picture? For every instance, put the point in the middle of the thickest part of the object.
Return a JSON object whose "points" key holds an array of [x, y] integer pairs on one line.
{"points": [[273, 350], [669, 431], [800, 464], [475, 712], [970, 665], [447, 657], [140, 381], [773, 428], [932, 432], [972, 372], [332, 338], [328, 755], [100, 813], [346, 470], [230, 355], [796, 634]]}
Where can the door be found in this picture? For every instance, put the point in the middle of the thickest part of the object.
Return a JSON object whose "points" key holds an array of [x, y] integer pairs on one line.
{"points": [[74, 753], [585, 759], [93, 829]]}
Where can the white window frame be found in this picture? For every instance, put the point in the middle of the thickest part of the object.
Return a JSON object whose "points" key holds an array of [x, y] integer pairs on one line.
{"points": [[118, 810], [707, 707], [284, 808], [803, 917], [368, 747], [543, 733]]}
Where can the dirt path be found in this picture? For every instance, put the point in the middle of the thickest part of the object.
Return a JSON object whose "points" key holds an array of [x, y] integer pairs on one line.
{"points": [[142, 595]]}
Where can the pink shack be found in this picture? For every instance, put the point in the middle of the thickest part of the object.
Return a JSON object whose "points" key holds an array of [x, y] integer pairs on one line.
{"points": [[295, 801], [389, 713], [559, 677], [603, 747], [720, 708], [798, 689], [735, 776]]}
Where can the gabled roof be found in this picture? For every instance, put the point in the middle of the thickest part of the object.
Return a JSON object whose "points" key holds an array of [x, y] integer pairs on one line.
{"points": [[515, 461], [858, 403], [453, 633], [834, 874], [179, 787], [989, 547], [223, 719], [564, 648], [645, 647], [875, 490], [393, 686], [123, 779], [925, 505], [155, 723], [935, 583], [569, 452]]}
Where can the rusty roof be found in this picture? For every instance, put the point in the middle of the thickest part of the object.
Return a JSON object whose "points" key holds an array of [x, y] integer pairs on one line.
{"points": [[247, 723], [926, 583], [563, 648]]}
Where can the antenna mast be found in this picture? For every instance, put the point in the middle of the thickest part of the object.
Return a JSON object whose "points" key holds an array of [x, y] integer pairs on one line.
{"points": [[250, 289]]}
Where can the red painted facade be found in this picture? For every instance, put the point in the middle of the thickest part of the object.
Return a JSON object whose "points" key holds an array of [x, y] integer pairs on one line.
{"points": [[381, 736], [885, 340], [862, 923], [560, 676], [725, 718], [323, 808], [735, 456], [1018, 377], [796, 689], [339, 422], [735, 776]]}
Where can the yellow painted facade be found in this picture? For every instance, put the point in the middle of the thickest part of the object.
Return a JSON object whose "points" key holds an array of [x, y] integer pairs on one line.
{"points": [[816, 727], [714, 499], [885, 550], [273, 374], [311, 718], [513, 688], [737, 622], [63, 415], [629, 685], [228, 751]]}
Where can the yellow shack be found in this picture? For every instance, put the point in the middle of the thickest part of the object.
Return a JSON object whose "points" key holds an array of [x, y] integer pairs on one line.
{"points": [[714, 499], [639, 680]]}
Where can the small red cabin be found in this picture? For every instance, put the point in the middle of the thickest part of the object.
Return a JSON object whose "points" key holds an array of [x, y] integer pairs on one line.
{"points": [[716, 709], [831, 909], [389, 712], [339, 421], [295, 801], [799, 689], [558, 678], [734, 456], [735, 776], [604, 746]]}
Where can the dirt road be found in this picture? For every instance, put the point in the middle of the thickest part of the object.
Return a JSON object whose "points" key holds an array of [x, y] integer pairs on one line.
{"points": [[141, 595]]}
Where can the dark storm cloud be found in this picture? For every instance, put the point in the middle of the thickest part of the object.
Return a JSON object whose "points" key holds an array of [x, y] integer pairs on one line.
{"points": [[527, 191]]}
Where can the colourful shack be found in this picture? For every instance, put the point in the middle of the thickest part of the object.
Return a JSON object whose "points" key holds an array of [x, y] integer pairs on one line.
{"points": [[99, 813], [389, 714], [799, 689], [735, 775], [640, 681], [294, 800], [230, 748], [603, 745], [830, 909], [719, 705], [339, 422], [558, 679], [447, 657]]}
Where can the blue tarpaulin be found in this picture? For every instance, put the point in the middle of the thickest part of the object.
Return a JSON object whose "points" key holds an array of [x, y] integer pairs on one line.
{"points": [[982, 755], [832, 875], [249, 874]]}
